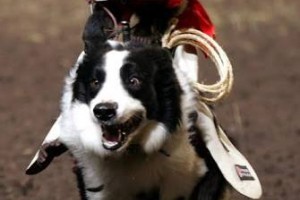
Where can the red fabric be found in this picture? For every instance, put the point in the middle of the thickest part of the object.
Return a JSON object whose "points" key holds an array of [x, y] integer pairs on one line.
{"points": [[174, 3], [195, 16]]}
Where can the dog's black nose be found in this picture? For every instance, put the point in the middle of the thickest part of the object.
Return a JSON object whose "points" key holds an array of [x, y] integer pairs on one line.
{"points": [[105, 111]]}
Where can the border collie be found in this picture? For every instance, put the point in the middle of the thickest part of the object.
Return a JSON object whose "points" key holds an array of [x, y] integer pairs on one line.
{"points": [[136, 129], [128, 117]]}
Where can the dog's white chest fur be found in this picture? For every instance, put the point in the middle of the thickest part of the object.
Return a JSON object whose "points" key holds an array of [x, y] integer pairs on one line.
{"points": [[172, 172]]}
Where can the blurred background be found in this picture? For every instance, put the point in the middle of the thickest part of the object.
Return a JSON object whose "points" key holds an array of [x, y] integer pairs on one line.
{"points": [[40, 40]]}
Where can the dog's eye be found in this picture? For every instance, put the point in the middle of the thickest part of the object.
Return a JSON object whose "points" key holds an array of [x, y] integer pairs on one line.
{"points": [[134, 83], [94, 84]]}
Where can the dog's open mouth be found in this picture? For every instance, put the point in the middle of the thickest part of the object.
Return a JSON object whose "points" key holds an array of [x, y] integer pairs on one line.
{"points": [[115, 135]]}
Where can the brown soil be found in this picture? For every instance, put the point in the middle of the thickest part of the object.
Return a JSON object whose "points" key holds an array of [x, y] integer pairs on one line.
{"points": [[41, 39]]}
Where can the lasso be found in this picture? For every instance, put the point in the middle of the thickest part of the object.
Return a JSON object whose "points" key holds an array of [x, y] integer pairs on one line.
{"points": [[208, 93]]}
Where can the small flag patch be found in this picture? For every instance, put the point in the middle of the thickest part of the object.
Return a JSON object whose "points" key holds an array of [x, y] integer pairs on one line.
{"points": [[243, 173]]}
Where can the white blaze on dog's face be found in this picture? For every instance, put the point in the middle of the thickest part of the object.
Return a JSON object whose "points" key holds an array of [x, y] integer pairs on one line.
{"points": [[124, 97], [113, 107]]}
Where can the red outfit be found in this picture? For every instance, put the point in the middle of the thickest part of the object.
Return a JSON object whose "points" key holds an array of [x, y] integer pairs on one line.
{"points": [[195, 16]]}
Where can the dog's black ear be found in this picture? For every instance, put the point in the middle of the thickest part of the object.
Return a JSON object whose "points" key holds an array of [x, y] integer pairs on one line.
{"points": [[168, 90], [97, 29]]}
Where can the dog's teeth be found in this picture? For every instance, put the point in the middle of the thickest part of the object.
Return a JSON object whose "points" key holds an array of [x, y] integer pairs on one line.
{"points": [[110, 144], [121, 137]]}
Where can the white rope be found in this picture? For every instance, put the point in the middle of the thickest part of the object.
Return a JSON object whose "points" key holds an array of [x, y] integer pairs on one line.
{"points": [[208, 93]]}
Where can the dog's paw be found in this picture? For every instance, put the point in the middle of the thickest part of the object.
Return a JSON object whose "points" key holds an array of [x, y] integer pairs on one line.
{"points": [[46, 154]]}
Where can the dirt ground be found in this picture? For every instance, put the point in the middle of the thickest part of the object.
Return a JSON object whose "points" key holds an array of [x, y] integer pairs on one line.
{"points": [[40, 40]]}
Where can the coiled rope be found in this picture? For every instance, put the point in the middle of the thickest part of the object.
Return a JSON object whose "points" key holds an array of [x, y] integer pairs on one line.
{"points": [[208, 93]]}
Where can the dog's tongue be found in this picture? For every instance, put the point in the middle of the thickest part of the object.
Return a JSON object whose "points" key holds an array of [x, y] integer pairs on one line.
{"points": [[115, 137], [112, 139], [112, 133]]}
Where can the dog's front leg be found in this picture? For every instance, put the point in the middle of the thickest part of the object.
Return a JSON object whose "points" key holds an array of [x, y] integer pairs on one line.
{"points": [[88, 174]]}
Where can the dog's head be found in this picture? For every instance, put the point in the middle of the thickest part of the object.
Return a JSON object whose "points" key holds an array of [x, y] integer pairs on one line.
{"points": [[123, 96]]}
